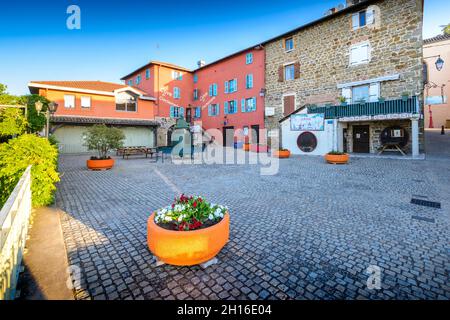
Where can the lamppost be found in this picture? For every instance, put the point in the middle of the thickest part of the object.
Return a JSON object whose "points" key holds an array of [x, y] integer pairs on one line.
{"points": [[51, 109], [439, 65]]}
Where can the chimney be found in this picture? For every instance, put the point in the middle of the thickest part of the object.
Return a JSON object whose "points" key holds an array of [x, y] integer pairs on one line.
{"points": [[201, 63]]}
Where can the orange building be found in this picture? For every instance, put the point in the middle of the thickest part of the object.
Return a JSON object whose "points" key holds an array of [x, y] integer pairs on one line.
{"points": [[84, 103]]}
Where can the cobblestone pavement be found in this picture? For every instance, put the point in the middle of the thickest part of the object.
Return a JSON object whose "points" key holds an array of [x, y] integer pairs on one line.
{"points": [[309, 232]]}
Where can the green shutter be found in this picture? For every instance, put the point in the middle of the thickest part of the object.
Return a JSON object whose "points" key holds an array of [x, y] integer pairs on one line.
{"points": [[172, 115], [226, 86], [254, 104], [225, 108], [243, 105]]}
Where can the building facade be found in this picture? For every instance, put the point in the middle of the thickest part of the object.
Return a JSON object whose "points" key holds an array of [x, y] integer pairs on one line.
{"points": [[437, 88], [84, 103], [359, 56]]}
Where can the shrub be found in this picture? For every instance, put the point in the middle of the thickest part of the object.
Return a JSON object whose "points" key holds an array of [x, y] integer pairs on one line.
{"points": [[336, 153], [103, 139], [17, 155], [12, 122]]}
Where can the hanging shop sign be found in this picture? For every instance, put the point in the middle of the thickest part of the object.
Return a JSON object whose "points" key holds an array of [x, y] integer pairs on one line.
{"points": [[307, 122], [432, 100]]}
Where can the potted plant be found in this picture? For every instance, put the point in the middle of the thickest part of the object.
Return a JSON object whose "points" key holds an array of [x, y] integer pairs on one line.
{"points": [[282, 153], [102, 139], [188, 232], [405, 96], [336, 157], [342, 100]]}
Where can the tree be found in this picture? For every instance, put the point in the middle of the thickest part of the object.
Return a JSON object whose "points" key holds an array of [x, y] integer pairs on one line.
{"points": [[103, 139], [446, 29], [12, 123], [36, 121]]}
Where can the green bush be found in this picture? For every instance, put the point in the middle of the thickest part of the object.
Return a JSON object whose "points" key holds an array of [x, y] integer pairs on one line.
{"points": [[12, 122], [17, 155]]}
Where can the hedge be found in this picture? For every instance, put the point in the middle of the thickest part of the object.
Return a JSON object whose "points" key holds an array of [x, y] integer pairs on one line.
{"points": [[16, 155]]}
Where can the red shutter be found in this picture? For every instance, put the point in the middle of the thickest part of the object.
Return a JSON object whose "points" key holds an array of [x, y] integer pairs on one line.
{"points": [[296, 70], [280, 74], [288, 104]]}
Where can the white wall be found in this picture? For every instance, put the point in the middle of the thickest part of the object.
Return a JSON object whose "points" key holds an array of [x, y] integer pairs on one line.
{"points": [[324, 138]]}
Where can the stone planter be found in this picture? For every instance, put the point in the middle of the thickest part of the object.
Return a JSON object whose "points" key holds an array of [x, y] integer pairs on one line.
{"points": [[100, 164], [187, 248], [337, 158], [282, 154]]}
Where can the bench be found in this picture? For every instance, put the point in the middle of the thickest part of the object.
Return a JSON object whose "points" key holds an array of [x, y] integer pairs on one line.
{"points": [[131, 151]]}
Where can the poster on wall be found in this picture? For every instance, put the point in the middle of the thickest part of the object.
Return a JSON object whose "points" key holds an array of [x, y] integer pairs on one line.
{"points": [[307, 122]]}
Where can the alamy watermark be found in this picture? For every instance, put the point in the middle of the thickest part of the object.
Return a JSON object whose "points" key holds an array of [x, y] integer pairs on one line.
{"points": [[73, 21], [374, 280]]}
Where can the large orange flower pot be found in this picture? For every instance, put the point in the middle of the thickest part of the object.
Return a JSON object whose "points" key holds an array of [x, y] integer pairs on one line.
{"points": [[100, 164], [337, 158], [282, 154], [246, 146], [187, 248]]}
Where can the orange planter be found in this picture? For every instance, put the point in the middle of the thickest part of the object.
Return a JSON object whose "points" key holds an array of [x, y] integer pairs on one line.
{"points": [[246, 146], [100, 164], [282, 154], [337, 159], [187, 248]]}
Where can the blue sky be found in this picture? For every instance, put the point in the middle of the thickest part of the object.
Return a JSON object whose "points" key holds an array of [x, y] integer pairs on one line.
{"points": [[118, 36]]}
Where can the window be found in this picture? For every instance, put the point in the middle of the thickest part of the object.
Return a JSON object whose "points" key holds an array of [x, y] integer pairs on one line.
{"points": [[360, 53], [248, 105], [176, 93], [213, 90], [213, 110], [230, 107], [195, 94], [69, 101], [85, 102], [249, 81], [130, 82], [363, 18], [176, 112], [231, 86], [138, 80], [147, 74], [289, 44], [249, 58], [126, 102], [176, 75], [195, 78], [289, 72], [198, 112], [360, 93]]}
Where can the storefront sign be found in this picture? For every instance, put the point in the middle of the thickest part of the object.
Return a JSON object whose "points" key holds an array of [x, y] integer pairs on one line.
{"points": [[435, 100], [392, 116], [307, 122]]}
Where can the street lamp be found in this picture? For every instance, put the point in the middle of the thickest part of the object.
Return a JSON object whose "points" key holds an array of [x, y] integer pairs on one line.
{"points": [[439, 64], [51, 109]]}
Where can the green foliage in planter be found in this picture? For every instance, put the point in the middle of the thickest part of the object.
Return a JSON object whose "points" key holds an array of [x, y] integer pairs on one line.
{"points": [[17, 155], [103, 139], [336, 153], [12, 122]]}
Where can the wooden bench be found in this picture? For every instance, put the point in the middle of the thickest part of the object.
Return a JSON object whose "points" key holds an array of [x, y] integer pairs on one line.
{"points": [[127, 152]]}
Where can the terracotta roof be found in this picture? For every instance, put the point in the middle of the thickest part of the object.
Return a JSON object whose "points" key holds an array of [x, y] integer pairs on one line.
{"points": [[157, 63], [84, 85], [439, 38], [110, 121]]}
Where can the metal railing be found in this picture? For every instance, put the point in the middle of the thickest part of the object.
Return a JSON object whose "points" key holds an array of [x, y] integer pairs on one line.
{"points": [[14, 221], [396, 106]]}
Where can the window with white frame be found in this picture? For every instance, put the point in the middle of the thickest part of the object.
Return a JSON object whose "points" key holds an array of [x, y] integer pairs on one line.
{"points": [[369, 92], [213, 90], [360, 53], [231, 86], [249, 58], [126, 102], [69, 101], [363, 18], [289, 44], [176, 93], [213, 110], [289, 72], [248, 105], [85, 102], [176, 75]]}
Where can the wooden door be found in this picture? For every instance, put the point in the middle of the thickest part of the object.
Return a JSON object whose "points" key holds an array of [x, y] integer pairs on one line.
{"points": [[361, 139], [288, 105]]}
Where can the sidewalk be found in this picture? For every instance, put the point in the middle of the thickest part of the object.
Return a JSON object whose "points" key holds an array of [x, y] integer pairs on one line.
{"points": [[45, 259]]}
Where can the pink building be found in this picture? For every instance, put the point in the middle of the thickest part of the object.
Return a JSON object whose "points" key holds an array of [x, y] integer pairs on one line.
{"points": [[226, 95], [437, 90]]}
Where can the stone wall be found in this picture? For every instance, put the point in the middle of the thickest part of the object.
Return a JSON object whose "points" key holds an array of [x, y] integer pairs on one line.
{"points": [[323, 51]]}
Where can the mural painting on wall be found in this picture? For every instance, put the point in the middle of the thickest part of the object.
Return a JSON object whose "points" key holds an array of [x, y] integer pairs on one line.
{"points": [[307, 122]]}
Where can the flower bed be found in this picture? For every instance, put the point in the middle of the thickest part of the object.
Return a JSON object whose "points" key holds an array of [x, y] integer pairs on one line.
{"points": [[188, 232]]}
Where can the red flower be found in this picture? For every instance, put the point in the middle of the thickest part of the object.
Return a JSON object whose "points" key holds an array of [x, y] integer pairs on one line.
{"points": [[194, 204], [173, 205]]}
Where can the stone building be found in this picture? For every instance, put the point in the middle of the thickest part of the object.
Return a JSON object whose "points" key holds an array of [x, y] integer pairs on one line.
{"points": [[354, 65]]}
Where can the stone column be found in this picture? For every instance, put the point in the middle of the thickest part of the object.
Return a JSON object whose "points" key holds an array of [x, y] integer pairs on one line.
{"points": [[415, 137]]}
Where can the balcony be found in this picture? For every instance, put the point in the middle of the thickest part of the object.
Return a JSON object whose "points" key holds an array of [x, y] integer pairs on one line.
{"points": [[409, 106]]}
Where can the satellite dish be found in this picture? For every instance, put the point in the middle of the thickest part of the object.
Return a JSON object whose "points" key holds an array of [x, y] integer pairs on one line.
{"points": [[340, 6]]}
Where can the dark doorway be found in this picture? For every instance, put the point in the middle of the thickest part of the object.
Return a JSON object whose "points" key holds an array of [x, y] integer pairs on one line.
{"points": [[188, 115], [254, 137], [361, 139], [228, 136], [345, 140]]}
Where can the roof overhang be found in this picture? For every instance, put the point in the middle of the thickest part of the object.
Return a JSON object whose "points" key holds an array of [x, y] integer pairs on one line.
{"points": [[140, 93], [62, 88], [97, 120]]}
